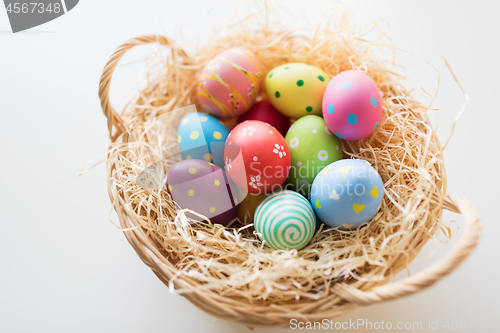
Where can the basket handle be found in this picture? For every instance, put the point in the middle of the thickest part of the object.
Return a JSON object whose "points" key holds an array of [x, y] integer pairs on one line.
{"points": [[114, 118], [428, 276]]}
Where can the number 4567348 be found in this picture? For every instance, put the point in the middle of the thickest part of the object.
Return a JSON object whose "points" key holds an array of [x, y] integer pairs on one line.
{"points": [[455, 324], [33, 7]]}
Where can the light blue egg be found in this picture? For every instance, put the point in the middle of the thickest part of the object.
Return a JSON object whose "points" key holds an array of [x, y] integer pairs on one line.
{"points": [[347, 193], [202, 137]]}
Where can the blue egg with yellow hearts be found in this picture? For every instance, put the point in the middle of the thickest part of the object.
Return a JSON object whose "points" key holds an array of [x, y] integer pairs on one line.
{"points": [[202, 137], [347, 193]]}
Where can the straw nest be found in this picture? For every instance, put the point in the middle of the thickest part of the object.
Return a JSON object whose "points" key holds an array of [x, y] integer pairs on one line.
{"points": [[226, 270]]}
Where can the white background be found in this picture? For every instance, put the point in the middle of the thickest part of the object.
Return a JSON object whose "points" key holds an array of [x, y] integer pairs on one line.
{"points": [[65, 268]]}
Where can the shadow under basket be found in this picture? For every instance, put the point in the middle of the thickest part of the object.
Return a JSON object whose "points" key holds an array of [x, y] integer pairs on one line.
{"points": [[338, 270]]}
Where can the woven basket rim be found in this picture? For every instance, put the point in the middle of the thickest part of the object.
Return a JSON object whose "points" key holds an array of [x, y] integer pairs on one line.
{"points": [[344, 297]]}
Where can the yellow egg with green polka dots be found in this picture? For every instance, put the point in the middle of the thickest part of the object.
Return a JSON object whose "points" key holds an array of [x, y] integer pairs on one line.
{"points": [[296, 89]]}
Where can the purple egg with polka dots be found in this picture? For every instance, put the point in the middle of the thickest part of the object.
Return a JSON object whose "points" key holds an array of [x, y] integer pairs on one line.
{"points": [[204, 188], [352, 105]]}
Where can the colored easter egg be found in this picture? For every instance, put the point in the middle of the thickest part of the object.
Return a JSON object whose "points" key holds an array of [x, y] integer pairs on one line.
{"points": [[312, 147], [296, 89], [264, 111], [229, 83], [246, 209], [285, 220], [352, 105], [257, 157], [347, 193], [204, 188], [202, 137]]}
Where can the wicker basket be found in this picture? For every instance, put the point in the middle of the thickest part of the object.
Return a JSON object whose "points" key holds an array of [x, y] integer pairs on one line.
{"points": [[342, 296]]}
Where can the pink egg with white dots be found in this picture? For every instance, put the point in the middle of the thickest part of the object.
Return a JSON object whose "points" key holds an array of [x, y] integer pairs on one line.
{"points": [[352, 105]]}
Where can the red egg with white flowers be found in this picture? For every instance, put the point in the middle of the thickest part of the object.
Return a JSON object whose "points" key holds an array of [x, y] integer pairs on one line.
{"points": [[257, 157]]}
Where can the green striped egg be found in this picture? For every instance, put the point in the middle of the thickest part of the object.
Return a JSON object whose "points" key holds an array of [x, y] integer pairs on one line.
{"points": [[285, 220]]}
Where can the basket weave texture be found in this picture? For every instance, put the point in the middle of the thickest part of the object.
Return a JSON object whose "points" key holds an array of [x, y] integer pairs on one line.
{"points": [[149, 224]]}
